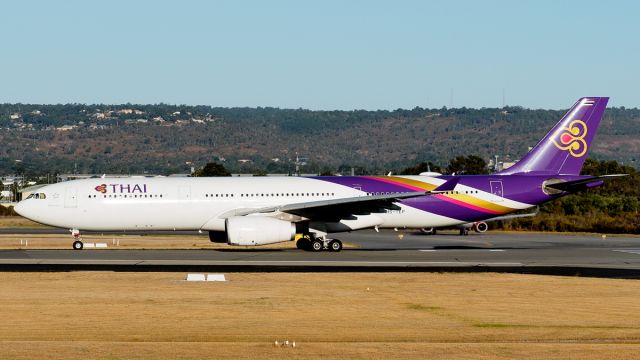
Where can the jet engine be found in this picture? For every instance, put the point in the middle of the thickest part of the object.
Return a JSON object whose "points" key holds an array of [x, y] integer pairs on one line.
{"points": [[480, 227], [256, 230]]}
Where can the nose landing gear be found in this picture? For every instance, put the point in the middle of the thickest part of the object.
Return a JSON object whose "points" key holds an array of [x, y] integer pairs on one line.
{"points": [[77, 244]]}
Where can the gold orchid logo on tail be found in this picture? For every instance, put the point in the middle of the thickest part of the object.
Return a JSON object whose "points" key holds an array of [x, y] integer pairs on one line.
{"points": [[571, 138]]}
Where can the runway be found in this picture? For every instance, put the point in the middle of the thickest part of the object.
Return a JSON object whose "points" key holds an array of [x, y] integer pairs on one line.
{"points": [[589, 255]]}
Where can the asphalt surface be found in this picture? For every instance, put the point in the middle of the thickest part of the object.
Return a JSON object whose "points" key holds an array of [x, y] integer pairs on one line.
{"points": [[588, 255]]}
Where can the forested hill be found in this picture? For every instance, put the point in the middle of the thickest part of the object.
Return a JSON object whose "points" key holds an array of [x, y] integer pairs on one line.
{"points": [[164, 138]]}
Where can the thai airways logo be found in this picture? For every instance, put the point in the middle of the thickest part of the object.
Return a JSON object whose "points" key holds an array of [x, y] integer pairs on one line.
{"points": [[571, 138], [122, 188]]}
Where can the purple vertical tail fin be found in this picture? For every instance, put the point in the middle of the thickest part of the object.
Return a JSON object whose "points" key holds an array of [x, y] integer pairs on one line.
{"points": [[564, 149]]}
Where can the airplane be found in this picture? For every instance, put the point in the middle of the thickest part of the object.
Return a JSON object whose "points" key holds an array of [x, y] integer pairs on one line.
{"points": [[266, 210]]}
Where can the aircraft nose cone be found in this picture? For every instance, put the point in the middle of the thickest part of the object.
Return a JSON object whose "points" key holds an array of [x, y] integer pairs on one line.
{"points": [[20, 208]]}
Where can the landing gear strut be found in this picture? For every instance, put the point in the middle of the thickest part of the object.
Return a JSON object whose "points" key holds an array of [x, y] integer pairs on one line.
{"points": [[77, 244], [309, 242]]}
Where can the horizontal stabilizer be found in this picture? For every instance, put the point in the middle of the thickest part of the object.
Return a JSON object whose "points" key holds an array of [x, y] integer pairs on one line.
{"points": [[582, 184]]}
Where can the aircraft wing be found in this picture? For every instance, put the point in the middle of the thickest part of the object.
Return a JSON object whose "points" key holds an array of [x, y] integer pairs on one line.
{"points": [[583, 184], [336, 209]]}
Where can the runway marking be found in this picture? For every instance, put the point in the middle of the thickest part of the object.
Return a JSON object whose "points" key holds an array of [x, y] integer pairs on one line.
{"points": [[434, 250], [252, 262], [630, 251]]}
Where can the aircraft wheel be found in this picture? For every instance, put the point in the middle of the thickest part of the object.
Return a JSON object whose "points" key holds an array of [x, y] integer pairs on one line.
{"points": [[78, 245], [303, 244], [428, 231], [335, 245], [317, 245]]}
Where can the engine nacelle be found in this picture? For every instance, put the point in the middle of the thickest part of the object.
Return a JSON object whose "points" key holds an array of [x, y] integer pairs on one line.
{"points": [[256, 230], [480, 227]]}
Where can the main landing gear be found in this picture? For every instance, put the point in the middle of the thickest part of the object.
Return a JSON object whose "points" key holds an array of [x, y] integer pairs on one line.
{"points": [[310, 243], [77, 244]]}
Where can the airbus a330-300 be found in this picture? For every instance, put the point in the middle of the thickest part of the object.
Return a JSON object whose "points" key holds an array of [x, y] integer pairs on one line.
{"points": [[266, 210]]}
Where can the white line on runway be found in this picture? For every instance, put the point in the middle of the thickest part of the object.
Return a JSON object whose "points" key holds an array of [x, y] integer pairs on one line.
{"points": [[345, 263], [433, 250], [630, 251]]}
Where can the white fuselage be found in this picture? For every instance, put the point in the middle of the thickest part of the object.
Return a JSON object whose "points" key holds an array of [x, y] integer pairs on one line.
{"points": [[139, 203]]}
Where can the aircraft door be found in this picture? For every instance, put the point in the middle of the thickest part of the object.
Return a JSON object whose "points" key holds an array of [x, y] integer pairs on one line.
{"points": [[497, 190], [71, 198], [184, 193]]}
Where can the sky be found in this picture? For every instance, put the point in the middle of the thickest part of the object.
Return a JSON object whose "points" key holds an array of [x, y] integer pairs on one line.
{"points": [[320, 55]]}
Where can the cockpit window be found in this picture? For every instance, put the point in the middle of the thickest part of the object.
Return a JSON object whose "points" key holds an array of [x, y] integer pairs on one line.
{"points": [[37, 196]]}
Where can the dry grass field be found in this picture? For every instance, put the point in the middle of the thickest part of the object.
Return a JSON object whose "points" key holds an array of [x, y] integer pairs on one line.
{"points": [[19, 222], [107, 315]]}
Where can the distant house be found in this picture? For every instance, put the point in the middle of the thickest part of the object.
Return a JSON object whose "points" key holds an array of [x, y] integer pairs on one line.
{"points": [[6, 195], [15, 116], [97, 127], [66, 127]]}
